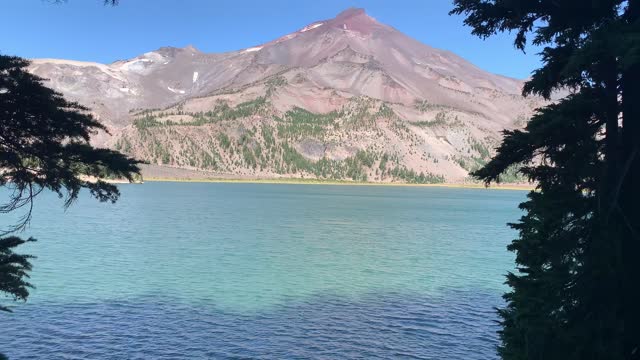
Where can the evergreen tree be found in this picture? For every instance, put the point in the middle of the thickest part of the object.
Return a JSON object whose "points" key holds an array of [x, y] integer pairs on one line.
{"points": [[44, 145], [575, 295]]}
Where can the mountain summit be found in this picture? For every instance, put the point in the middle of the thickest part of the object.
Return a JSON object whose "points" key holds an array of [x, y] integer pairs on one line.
{"points": [[355, 20], [341, 98]]}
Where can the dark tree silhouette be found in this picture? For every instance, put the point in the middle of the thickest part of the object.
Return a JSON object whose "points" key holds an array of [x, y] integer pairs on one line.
{"points": [[44, 145], [14, 270], [576, 294]]}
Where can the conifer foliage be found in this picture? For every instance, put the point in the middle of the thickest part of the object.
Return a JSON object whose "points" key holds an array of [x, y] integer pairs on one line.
{"points": [[575, 294], [44, 145]]}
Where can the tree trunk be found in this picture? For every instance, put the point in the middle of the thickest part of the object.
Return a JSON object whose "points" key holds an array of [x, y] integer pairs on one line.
{"points": [[607, 263], [630, 193]]}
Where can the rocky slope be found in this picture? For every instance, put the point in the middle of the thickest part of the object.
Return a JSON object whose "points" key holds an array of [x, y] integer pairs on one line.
{"points": [[345, 98]]}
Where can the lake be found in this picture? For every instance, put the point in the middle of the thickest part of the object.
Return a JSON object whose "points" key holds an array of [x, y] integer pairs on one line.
{"points": [[208, 271]]}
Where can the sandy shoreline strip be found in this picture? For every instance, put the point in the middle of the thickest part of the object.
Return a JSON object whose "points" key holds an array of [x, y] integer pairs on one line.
{"points": [[158, 173], [525, 187]]}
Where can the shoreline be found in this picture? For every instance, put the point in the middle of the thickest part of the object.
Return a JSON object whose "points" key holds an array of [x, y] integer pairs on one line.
{"points": [[291, 181]]}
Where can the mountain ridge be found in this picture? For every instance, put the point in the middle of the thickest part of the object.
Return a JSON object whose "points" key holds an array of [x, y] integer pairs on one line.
{"points": [[339, 95]]}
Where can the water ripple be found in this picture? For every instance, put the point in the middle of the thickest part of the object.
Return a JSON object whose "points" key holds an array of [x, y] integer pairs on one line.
{"points": [[378, 326], [242, 271]]}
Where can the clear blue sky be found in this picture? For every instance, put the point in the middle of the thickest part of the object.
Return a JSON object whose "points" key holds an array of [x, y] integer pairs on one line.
{"points": [[87, 30]]}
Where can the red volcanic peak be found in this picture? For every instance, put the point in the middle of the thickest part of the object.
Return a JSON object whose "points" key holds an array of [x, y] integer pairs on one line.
{"points": [[355, 19], [349, 13]]}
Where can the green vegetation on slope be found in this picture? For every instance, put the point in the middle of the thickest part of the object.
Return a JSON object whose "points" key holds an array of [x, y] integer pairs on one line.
{"points": [[221, 112], [298, 123], [272, 145]]}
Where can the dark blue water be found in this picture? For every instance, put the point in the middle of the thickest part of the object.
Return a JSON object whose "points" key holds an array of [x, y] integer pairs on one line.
{"points": [[198, 271]]}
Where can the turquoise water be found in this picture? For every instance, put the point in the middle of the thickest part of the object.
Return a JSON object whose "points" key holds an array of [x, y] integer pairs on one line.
{"points": [[187, 270]]}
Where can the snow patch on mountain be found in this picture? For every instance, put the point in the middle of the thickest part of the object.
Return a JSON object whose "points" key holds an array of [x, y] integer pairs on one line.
{"points": [[176, 91], [114, 73], [311, 27], [252, 49]]}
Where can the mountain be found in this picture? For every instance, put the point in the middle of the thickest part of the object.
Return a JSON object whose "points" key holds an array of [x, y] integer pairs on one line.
{"points": [[344, 98]]}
